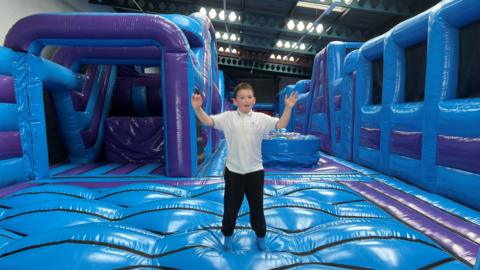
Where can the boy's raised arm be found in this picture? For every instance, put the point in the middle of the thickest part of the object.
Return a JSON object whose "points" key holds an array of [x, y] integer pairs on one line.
{"points": [[197, 102], [287, 112]]}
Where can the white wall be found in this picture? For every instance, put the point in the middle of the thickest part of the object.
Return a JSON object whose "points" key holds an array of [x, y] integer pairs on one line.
{"points": [[15, 10]]}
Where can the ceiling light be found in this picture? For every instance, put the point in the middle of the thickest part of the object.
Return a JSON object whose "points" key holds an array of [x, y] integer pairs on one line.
{"points": [[285, 58], [225, 36], [292, 59], [287, 45], [227, 50], [319, 28], [318, 6], [302, 46], [232, 16], [279, 44], [272, 56], [212, 13], [218, 35], [220, 49], [221, 15], [348, 2], [310, 27], [203, 11], [233, 37], [300, 26], [234, 51], [279, 57], [295, 45], [290, 25]]}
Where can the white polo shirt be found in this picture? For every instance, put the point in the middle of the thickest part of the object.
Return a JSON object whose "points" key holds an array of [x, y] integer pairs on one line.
{"points": [[244, 134]]}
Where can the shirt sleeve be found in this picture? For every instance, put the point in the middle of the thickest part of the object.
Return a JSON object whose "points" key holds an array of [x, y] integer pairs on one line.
{"points": [[269, 123], [219, 120]]}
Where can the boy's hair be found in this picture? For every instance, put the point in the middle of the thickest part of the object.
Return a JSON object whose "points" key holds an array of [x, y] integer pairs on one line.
{"points": [[242, 86]]}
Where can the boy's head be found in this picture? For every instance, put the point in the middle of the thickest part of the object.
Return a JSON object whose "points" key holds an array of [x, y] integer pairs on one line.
{"points": [[242, 86], [244, 97]]}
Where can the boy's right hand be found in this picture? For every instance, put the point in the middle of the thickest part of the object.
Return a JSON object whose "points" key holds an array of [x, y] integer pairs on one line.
{"points": [[197, 101]]}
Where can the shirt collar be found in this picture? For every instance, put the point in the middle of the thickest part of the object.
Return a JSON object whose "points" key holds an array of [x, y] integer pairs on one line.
{"points": [[250, 113]]}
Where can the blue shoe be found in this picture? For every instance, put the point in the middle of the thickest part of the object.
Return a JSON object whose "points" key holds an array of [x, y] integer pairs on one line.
{"points": [[261, 244], [227, 243]]}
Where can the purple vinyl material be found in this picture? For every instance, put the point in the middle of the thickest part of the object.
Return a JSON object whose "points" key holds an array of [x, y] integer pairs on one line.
{"points": [[370, 137], [141, 30], [467, 229], [459, 153], [90, 135], [80, 99], [124, 169], [7, 93], [67, 56], [177, 124], [319, 106], [99, 26], [81, 168], [453, 242], [406, 143], [337, 103], [10, 146], [134, 140]]}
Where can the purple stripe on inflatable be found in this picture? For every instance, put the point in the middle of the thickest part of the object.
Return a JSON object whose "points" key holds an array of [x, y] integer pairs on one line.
{"points": [[370, 137], [7, 92], [112, 184], [406, 143], [124, 169], [14, 188], [96, 26], [465, 228], [154, 93], [10, 145], [80, 169], [67, 56], [179, 135], [160, 170], [90, 135], [301, 108], [459, 152], [337, 103], [462, 248], [337, 134], [319, 106], [323, 139], [80, 99]]}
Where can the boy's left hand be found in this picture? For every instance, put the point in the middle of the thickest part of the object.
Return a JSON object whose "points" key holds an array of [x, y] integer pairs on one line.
{"points": [[291, 100]]}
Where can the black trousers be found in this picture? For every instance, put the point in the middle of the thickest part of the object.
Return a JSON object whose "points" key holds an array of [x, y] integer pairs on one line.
{"points": [[236, 186]]}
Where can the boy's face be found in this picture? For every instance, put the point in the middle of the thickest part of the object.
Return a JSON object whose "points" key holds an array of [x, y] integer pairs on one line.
{"points": [[244, 100]]}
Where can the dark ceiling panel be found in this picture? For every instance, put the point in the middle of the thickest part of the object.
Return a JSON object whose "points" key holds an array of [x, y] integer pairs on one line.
{"points": [[264, 22]]}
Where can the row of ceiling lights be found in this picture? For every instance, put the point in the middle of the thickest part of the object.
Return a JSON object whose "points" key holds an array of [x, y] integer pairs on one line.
{"points": [[288, 45], [228, 50], [282, 57], [227, 36], [212, 13], [300, 25]]}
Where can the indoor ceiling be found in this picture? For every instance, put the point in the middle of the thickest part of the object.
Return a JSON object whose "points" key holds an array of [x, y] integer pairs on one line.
{"points": [[283, 36]]}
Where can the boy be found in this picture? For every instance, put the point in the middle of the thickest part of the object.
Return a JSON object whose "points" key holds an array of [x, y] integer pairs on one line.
{"points": [[244, 175]]}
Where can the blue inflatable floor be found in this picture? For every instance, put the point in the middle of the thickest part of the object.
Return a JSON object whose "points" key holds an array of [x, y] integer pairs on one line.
{"points": [[335, 216]]}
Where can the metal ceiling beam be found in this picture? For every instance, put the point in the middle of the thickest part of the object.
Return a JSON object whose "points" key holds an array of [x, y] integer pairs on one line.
{"points": [[384, 7], [263, 66], [250, 20], [266, 44]]}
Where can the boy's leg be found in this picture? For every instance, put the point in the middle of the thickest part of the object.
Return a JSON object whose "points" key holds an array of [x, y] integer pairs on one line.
{"points": [[254, 192], [232, 200]]}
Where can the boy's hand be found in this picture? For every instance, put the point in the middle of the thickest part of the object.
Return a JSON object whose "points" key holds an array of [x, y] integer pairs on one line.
{"points": [[291, 100], [197, 100]]}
